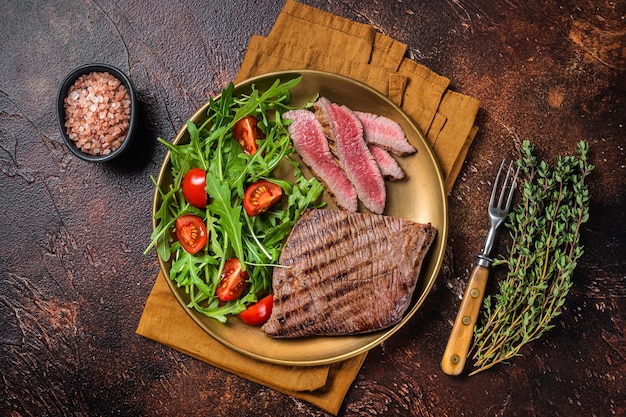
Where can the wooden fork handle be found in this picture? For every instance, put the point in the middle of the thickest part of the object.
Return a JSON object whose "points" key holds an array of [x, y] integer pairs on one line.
{"points": [[455, 355]]}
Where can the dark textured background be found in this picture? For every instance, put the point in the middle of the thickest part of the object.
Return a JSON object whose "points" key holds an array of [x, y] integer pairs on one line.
{"points": [[73, 277]]}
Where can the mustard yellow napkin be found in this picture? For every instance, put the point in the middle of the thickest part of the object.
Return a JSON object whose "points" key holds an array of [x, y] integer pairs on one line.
{"points": [[165, 321], [358, 51]]}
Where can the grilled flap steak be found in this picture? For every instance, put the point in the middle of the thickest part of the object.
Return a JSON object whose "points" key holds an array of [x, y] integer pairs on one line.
{"points": [[346, 273]]}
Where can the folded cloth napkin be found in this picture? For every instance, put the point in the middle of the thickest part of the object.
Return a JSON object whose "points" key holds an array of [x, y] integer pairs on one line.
{"points": [[360, 52], [165, 321]]}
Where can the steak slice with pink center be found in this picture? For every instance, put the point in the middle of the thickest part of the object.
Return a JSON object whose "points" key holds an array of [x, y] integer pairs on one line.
{"points": [[384, 132], [356, 160], [312, 146], [388, 166]]}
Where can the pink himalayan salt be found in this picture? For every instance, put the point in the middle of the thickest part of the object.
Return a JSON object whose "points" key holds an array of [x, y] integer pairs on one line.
{"points": [[97, 113]]}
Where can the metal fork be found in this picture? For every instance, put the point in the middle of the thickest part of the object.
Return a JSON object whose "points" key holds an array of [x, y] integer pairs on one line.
{"points": [[455, 355]]}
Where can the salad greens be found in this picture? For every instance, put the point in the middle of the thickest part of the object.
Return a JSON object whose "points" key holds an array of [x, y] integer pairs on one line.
{"points": [[255, 241]]}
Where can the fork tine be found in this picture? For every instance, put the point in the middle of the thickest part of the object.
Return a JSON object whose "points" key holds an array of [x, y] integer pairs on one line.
{"points": [[504, 183], [513, 185], [495, 184]]}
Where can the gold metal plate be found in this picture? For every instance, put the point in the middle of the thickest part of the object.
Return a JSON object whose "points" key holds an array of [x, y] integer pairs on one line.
{"points": [[420, 197]]}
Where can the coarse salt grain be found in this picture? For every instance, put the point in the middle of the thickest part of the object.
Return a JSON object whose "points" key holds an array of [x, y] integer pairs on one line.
{"points": [[97, 113]]}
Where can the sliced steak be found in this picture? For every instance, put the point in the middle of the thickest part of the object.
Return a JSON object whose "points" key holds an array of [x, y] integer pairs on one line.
{"points": [[384, 132], [388, 166], [344, 273], [311, 144], [356, 160]]}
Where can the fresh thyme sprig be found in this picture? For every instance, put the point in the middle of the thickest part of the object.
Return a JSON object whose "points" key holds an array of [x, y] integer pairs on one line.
{"points": [[545, 230]]}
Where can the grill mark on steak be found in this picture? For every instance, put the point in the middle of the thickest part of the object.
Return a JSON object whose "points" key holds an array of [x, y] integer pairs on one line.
{"points": [[338, 296], [337, 285], [334, 233], [322, 256]]}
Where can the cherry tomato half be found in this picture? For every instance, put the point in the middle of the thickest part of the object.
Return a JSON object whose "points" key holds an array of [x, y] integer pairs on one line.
{"points": [[191, 232], [259, 312], [246, 131], [194, 184], [260, 196], [233, 282]]}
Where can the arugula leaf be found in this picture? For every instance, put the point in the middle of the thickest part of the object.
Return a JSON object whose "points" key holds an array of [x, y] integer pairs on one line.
{"points": [[228, 215]]}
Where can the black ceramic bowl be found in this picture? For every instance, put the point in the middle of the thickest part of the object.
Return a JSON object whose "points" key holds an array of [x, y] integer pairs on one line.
{"points": [[63, 91]]}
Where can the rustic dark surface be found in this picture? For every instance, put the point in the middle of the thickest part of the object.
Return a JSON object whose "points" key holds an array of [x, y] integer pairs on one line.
{"points": [[73, 277]]}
